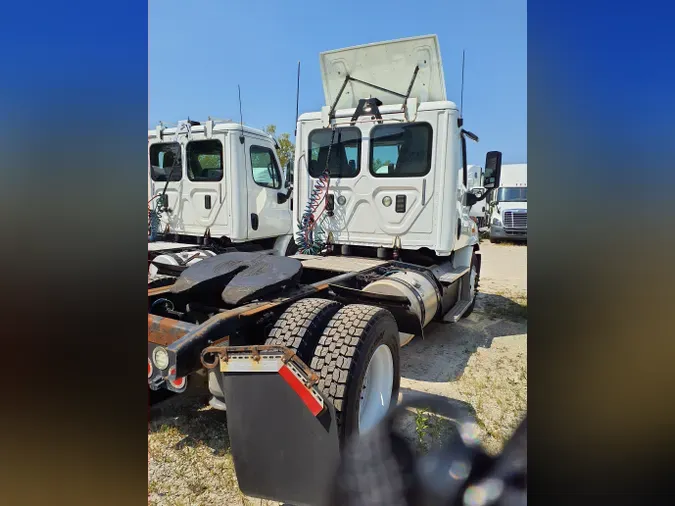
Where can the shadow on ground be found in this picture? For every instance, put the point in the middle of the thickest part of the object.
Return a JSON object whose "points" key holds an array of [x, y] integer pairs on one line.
{"points": [[424, 428], [499, 306], [446, 348]]}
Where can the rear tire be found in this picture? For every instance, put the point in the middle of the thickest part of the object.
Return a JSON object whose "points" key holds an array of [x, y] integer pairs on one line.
{"points": [[342, 359], [301, 325]]}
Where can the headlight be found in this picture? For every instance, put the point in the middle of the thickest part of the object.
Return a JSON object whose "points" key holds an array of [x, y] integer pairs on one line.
{"points": [[496, 221], [161, 358], [386, 201]]}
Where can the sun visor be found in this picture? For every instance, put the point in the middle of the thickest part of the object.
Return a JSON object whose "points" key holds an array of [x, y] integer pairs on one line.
{"points": [[390, 65]]}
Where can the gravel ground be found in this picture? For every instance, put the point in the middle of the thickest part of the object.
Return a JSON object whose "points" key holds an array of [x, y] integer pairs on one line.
{"points": [[481, 361]]}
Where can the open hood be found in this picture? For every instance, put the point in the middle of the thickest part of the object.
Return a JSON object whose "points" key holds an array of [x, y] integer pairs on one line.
{"points": [[386, 64]]}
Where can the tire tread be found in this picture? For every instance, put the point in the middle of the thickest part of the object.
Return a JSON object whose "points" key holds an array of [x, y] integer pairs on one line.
{"points": [[301, 325], [339, 349]]}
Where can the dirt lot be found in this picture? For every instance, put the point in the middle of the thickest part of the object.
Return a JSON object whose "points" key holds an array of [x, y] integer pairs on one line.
{"points": [[481, 361]]}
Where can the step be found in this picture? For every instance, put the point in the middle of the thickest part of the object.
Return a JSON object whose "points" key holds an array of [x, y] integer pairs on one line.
{"points": [[453, 274], [457, 311]]}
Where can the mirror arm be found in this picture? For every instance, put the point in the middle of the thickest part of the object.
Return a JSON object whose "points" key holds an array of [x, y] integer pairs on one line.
{"points": [[482, 197]]}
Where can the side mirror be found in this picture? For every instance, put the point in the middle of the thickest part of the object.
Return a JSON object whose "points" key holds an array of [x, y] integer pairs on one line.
{"points": [[470, 199], [282, 197], [289, 174], [493, 169]]}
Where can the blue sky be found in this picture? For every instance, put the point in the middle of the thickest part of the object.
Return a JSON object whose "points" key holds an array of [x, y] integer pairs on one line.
{"points": [[200, 51]]}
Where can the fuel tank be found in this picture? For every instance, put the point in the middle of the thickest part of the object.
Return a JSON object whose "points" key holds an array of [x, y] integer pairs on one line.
{"points": [[417, 288]]}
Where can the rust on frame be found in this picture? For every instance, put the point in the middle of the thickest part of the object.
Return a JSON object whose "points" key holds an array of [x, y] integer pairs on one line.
{"points": [[212, 355], [159, 290], [165, 331]]}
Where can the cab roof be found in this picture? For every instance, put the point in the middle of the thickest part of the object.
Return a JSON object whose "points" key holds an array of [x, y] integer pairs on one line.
{"points": [[219, 126]]}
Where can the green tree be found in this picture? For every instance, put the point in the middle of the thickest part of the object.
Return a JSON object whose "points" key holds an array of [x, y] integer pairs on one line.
{"points": [[286, 151]]}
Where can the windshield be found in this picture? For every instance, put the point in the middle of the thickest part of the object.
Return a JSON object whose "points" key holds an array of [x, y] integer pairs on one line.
{"points": [[512, 195]]}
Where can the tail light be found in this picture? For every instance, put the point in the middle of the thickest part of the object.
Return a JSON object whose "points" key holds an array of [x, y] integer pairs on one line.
{"points": [[149, 367], [176, 383]]}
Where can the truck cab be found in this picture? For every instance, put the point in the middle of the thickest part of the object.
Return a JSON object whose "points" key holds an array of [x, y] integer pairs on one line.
{"points": [[218, 180], [391, 162], [508, 205]]}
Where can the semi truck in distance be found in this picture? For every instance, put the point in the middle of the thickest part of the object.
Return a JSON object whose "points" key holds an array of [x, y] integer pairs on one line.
{"points": [[507, 208]]}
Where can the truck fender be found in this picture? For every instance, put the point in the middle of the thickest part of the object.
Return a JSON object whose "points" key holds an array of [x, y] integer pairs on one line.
{"points": [[462, 256], [282, 243]]}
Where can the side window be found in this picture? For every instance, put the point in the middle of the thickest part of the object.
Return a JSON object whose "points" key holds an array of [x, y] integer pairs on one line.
{"points": [[205, 160], [401, 150], [166, 162], [265, 169], [345, 152]]}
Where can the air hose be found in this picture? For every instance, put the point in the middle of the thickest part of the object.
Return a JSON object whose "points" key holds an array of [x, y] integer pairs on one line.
{"points": [[310, 235], [154, 220]]}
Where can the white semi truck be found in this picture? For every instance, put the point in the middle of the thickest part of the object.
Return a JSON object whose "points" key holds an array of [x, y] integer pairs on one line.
{"points": [[213, 187], [304, 350], [508, 205]]}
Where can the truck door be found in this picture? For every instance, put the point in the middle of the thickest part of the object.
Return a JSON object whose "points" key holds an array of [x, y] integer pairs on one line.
{"points": [[196, 190], [166, 177], [266, 216], [204, 195], [464, 223]]}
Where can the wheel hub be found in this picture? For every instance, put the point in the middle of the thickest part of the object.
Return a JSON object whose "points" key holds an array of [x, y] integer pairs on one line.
{"points": [[377, 388]]}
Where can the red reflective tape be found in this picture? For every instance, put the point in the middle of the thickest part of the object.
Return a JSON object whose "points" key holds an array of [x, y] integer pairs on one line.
{"points": [[312, 404]]}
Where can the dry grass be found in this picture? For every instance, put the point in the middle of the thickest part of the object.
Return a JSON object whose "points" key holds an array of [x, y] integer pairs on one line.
{"points": [[189, 460], [494, 386]]}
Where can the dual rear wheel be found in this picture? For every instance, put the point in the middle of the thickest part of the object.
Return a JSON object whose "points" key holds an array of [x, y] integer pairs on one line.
{"points": [[354, 350]]}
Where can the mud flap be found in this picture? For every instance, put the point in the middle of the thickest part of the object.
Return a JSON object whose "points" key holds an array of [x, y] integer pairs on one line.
{"points": [[282, 430]]}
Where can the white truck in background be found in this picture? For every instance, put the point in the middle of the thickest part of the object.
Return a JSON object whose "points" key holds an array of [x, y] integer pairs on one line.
{"points": [[214, 186], [507, 212]]}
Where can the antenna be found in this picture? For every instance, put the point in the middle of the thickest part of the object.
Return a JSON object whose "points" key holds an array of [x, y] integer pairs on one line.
{"points": [[461, 93], [241, 117], [297, 102]]}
